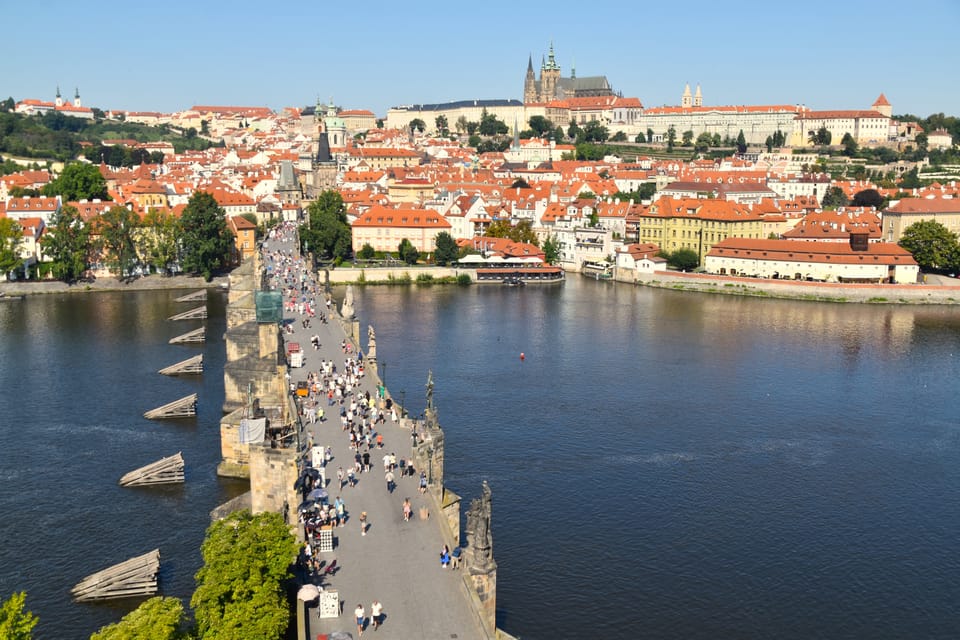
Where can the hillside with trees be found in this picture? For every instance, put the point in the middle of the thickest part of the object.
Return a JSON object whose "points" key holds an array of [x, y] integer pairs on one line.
{"points": [[54, 136]]}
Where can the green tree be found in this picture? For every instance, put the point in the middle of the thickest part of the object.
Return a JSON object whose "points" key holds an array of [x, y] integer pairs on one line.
{"points": [[910, 180], [741, 142], [594, 131], [849, 145], [687, 138], [15, 623], [551, 251], [117, 228], [683, 259], [446, 249], [327, 232], [540, 125], [240, 588], [158, 618], [474, 141], [204, 128], [205, 240], [769, 143], [67, 244], [472, 127], [407, 252], [490, 125], [704, 140], [418, 124], [573, 131], [78, 181], [834, 197], [11, 237], [366, 252], [461, 124], [8, 105], [933, 246], [558, 134], [671, 137], [160, 239], [442, 127], [379, 123], [868, 198], [649, 135]]}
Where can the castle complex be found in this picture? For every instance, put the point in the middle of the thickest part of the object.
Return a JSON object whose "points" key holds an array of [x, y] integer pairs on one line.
{"points": [[552, 86]]}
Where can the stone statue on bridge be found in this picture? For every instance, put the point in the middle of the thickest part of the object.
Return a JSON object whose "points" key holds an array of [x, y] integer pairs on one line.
{"points": [[479, 539], [371, 343], [346, 310]]}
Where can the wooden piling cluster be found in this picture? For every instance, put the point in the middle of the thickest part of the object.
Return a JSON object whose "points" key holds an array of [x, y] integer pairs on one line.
{"points": [[138, 577], [131, 578], [167, 470], [185, 407], [190, 337], [190, 366], [196, 296], [197, 313]]}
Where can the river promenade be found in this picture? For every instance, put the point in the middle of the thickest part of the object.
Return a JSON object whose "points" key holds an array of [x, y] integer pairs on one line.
{"points": [[396, 562]]}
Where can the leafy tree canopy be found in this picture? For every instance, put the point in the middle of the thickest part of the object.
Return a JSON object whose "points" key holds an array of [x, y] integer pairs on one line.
{"points": [[78, 181], [160, 239], [240, 588], [11, 237], [834, 197], [117, 230], [327, 233], [418, 124], [933, 246], [868, 198], [206, 241], [521, 232], [551, 251], [683, 259], [366, 252], [67, 244], [407, 252], [446, 250], [540, 125], [15, 623], [158, 618]]}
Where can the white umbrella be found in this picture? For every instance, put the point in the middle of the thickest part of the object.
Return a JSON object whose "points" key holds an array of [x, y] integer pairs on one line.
{"points": [[308, 592]]}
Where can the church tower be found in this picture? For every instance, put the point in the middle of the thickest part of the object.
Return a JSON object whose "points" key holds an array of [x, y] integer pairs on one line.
{"points": [[530, 83], [549, 78], [698, 97], [686, 101], [882, 105], [76, 97], [59, 100]]}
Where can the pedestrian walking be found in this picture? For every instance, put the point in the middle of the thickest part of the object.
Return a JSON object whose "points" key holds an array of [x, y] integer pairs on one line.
{"points": [[340, 477], [376, 610], [407, 509], [444, 557], [389, 478], [423, 482], [360, 615], [363, 523]]}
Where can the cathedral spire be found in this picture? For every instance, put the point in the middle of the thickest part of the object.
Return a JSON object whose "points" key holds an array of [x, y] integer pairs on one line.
{"points": [[530, 64]]}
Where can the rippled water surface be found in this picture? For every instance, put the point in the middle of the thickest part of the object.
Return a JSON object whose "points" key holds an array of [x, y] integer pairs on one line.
{"points": [[663, 464]]}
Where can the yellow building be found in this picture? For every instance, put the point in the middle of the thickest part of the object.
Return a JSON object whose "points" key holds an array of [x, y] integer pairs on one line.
{"points": [[697, 224]]}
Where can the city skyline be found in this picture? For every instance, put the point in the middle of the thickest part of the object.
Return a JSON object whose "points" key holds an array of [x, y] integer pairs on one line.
{"points": [[129, 57]]}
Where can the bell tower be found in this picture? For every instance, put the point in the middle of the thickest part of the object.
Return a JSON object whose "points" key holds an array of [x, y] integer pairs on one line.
{"points": [[549, 77]]}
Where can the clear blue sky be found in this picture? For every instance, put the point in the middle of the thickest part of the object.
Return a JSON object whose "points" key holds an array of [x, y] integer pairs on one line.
{"points": [[168, 56]]}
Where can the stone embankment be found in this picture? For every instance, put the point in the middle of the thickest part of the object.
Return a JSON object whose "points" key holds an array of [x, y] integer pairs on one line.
{"points": [[147, 283], [938, 289]]}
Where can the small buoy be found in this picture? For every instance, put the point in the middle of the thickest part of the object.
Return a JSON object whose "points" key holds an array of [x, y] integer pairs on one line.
{"points": [[522, 357]]}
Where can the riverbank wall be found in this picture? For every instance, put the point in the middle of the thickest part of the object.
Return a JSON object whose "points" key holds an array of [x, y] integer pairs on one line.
{"points": [[945, 294]]}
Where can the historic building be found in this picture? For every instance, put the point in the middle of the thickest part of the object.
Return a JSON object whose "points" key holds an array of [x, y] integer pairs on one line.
{"points": [[552, 86]]}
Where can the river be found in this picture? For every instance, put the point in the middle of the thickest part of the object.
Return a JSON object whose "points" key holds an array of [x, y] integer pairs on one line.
{"points": [[663, 464]]}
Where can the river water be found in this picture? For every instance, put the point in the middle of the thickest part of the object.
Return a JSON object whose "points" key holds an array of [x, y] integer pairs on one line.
{"points": [[663, 464]]}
